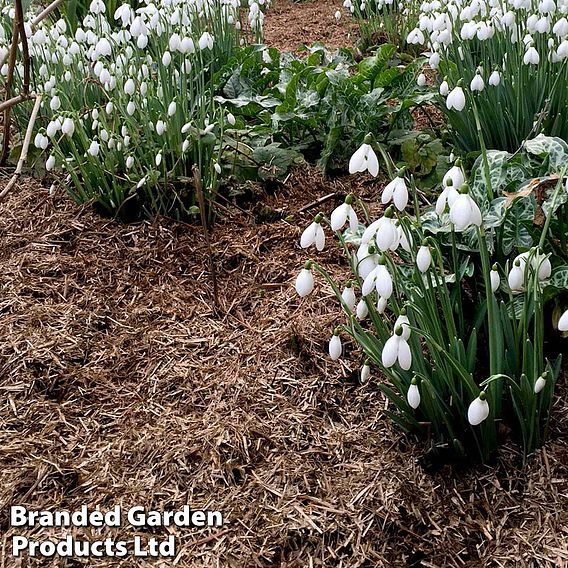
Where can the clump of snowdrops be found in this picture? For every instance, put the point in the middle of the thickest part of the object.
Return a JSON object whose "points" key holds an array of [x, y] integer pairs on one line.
{"points": [[456, 337], [128, 110], [503, 67]]}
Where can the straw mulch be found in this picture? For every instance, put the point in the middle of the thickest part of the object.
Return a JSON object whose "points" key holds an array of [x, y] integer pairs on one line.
{"points": [[121, 384]]}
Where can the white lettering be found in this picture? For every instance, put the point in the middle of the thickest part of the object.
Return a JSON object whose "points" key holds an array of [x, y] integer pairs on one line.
{"points": [[19, 543]]}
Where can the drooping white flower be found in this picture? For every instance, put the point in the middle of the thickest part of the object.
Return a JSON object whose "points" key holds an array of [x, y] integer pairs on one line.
{"points": [[365, 373], [539, 384], [231, 119], [381, 305], [516, 277], [531, 57], [478, 410], [403, 322], [313, 235], [304, 282], [348, 296], [464, 212], [380, 280], [423, 258], [444, 88], [68, 127], [362, 309], [494, 78], [563, 322], [206, 41], [130, 108], [477, 83], [396, 191], [367, 260], [335, 347], [94, 148], [495, 279], [129, 87], [384, 231], [413, 395], [415, 37], [455, 174], [447, 197], [55, 103], [456, 99], [395, 349], [172, 107], [129, 162], [340, 215], [364, 159], [50, 163], [421, 80]]}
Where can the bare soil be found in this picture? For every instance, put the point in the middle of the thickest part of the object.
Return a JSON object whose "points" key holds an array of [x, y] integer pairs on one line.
{"points": [[121, 383]]}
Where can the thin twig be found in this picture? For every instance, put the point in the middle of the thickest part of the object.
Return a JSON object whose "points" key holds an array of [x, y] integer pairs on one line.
{"points": [[42, 15], [201, 201], [25, 146], [15, 100], [317, 202], [25, 47]]}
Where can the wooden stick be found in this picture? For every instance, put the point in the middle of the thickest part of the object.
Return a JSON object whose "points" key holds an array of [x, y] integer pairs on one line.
{"points": [[42, 15], [25, 48], [25, 146], [15, 100], [201, 201]]}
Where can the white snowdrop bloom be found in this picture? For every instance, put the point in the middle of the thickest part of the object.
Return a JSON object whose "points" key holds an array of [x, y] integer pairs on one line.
{"points": [[348, 296], [404, 239], [495, 78], [50, 163], [143, 88], [421, 80], [531, 57], [109, 107], [365, 373], [456, 99], [129, 162], [413, 396], [562, 50], [560, 28], [94, 148], [362, 310], [495, 279], [478, 410], [174, 42], [158, 159], [380, 280], [130, 108], [124, 13], [104, 135], [539, 384], [396, 191], [516, 277], [206, 41], [166, 58], [304, 282], [68, 127], [338, 15], [55, 103], [129, 87], [396, 348], [423, 258], [126, 141], [403, 322], [172, 107], [537, 261], [341, 214], [477, 83], [138, 27], [142, 41], [447, 197], [141, 183], [231, 119], [105, 77], [464, 212], [217, 168], [455, 174], [415, 37], [434, 60], [186, 45], [444, 88], [185, 146], [335, 347], [160, 127], [313, 235], [103, 48], [563, 322], [366, 261], [364, 159], [97, 7], [51, 129]]}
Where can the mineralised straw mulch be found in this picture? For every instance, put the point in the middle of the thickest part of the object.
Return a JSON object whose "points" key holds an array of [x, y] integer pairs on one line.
{"points": [[121, 384]]}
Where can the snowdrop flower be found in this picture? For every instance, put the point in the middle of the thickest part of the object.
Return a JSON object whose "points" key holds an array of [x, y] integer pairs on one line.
{"points": [[495, 279], [396, 348], [129, 87], [362, 310], [68, 127], [335, 346], [454, 176], [364, 159], [172, 107], [313, 235], [129, 162], [158, 159], [50, 163], [367, 259], [415, 37], [348, 296], [396, 191], [206, 41], [531, 57], [305, 281], [166, 58], [456, 99], [540, 383], [109, 107], [423, 258], [477, 83], [338, 15], [340, 215], [464, 212], [130, 108], [94, 148], [231, 119], [478, 410], [444, 88], [447, 197], [403, 322], [516, 277], [55, 103], [413, 395], [160, 127], [365, 372], [421, 80], [494, 78], [380, 280], [381, 305], [384, 231], [563, 322], [217, 168]]}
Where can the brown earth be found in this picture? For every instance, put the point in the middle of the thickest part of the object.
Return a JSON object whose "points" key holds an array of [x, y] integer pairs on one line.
{"points": [[122, 384]]}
